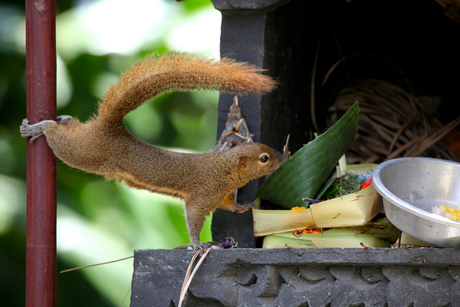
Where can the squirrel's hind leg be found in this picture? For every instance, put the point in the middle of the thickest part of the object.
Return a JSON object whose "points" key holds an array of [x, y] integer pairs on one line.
{"points": [[38, 129]]}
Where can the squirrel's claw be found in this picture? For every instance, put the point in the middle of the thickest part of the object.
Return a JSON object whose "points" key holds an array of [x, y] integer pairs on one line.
{"points": [[202, 246], [245, 207]]}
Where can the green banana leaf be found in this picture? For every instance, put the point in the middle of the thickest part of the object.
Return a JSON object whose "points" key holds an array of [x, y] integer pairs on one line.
{"points": [[303, 174]]}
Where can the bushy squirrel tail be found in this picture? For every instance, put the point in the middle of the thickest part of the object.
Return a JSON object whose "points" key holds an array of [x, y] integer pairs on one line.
{"points": [[178, 72]]}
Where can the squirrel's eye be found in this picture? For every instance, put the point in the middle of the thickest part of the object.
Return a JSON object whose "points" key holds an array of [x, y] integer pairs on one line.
{"points": [[263, 158]]}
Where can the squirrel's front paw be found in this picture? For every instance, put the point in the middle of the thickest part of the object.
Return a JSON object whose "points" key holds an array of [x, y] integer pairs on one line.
{"points": [[245, 207]]}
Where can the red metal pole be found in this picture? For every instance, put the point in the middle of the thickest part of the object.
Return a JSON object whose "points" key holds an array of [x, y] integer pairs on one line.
{"points": [[41, 163]]}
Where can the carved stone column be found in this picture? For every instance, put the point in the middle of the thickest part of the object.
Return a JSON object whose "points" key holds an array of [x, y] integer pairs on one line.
{"points": [[265, 34]]}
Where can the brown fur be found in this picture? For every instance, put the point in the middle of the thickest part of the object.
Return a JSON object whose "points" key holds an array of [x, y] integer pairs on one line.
{"points": [[205, 181]]}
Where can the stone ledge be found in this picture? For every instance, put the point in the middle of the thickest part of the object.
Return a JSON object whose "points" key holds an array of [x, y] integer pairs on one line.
{"points": [[300, 277]]}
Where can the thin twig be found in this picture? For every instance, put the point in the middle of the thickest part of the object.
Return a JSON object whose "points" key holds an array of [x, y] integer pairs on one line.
{"points": [[399, 132], [392, 123], [91, 265], [187, 274], [312, 90], [188, 278], [126, 295]]}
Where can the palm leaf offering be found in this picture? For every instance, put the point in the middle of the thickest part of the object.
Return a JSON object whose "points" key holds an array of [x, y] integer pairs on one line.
{"points": [[341, 238], [380, 228], [375, 234], [303, 175], [350, 210], [408, 241], [309, 175]]}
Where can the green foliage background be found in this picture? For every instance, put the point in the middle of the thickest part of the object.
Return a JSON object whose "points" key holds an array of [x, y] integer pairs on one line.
{"points": [[97, 220]]}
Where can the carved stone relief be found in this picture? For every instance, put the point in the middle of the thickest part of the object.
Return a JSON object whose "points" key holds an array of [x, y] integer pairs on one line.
{"points": [[256, 277]]}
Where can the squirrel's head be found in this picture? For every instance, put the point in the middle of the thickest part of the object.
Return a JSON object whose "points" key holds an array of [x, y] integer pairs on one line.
{"points": [[256, 160]]}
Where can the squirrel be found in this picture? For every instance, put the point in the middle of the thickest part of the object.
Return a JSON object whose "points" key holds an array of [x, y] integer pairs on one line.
{"points": [[205, 181]]}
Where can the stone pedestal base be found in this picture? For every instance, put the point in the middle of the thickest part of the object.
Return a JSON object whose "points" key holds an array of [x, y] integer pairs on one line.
{"points": [[300, 277]]}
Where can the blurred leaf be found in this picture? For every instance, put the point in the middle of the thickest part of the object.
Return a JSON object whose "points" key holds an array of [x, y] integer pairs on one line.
{"points": [[12, 197], [303, 174], [195, 4]]}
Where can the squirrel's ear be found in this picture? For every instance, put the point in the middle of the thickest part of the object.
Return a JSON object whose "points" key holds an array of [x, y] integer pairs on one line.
{"points": [[243, 162]]}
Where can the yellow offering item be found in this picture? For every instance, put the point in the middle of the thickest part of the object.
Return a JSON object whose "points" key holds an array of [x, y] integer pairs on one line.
{"points": [[447, 211]]}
